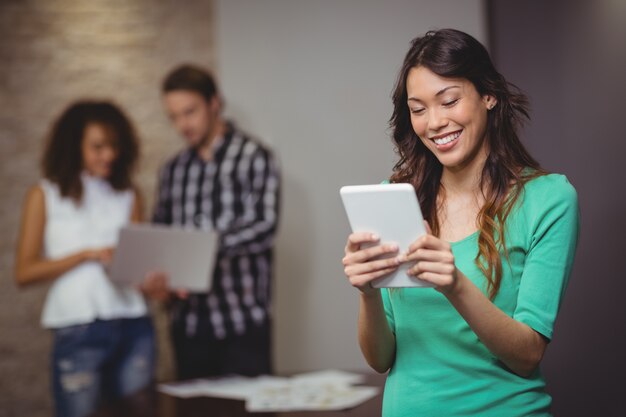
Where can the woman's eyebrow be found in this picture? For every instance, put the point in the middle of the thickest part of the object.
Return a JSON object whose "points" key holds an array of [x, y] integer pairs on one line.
{"points": [[440, 92], [443, 90]]}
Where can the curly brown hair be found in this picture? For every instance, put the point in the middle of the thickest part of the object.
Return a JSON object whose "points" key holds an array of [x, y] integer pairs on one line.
{"points": [[455, 54], [62, 161]]}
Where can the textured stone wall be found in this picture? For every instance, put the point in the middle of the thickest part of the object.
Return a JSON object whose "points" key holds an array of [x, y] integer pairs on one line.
{"points": [[51, 53]]}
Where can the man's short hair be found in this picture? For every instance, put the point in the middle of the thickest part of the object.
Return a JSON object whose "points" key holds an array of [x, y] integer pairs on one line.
{"points": [[191, 78]]}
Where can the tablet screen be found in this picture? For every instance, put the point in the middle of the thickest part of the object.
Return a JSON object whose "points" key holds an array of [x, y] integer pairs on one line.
{"points": [[187, 256], [393, 213]]}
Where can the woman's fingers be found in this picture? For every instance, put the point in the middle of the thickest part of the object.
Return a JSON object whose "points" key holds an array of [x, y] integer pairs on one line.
{"points": [[106, 255], [429, 242], [364, 280], [365, 260], [365, 255], [368, 267], [423, 254], [361, 273], [431, 267], [434, 262], [438, 280], [355, 240]]}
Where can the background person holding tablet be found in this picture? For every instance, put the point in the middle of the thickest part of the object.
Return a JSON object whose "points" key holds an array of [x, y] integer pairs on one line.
{"points": [[501, 243], [103, 338], [227, 182]]}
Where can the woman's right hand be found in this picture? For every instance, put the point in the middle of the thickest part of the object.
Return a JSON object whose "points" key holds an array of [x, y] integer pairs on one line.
{"points": [[102, 255], [30, 264], [362, 265]]}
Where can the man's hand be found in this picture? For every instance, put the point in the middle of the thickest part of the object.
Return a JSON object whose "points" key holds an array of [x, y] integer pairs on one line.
{"points": [[156, 286]]}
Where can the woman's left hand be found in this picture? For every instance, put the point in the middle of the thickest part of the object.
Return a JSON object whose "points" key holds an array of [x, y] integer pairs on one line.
{"points": [[434, 262]]}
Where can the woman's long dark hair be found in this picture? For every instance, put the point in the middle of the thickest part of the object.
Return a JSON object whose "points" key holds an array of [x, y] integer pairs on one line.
{"points": [[455, 54], [62, 161]]}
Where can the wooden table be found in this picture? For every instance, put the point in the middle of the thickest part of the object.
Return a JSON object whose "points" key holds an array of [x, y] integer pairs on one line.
{"points": [[151, 403]]}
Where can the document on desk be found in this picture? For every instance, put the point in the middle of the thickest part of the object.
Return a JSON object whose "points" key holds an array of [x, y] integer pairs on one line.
{"points": [[231, 387], [320, 390], [281, 396]]}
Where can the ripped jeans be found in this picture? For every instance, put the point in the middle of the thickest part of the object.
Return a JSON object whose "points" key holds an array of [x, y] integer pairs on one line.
{"points": [[99, 362]]}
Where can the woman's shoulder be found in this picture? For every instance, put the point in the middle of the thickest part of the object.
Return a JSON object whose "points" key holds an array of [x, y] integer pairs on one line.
{"points": [[44, 188], [547, 196], [36, 192], [34, 200], [548, 187]]}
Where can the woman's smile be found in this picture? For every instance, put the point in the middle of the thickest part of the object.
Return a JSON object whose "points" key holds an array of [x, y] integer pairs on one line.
{"points": [[446, 141]]}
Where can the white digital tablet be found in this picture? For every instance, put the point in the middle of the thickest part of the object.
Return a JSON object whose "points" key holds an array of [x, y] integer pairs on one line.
{"points": [[393, 213], [187, 256]]}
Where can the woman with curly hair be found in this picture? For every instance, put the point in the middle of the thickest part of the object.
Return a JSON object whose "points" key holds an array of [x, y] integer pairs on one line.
{"points": [[103, 337], [500, 247]]}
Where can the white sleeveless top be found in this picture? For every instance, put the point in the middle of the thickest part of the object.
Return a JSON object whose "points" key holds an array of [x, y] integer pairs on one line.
{"points": [[84, 293]]}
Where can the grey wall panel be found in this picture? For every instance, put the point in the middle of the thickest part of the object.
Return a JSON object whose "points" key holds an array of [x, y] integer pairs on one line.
{"points": [[569, 57], [314, 80]]}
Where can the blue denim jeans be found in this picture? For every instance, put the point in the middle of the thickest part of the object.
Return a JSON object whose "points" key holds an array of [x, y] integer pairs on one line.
{"points": [[99, 362]]}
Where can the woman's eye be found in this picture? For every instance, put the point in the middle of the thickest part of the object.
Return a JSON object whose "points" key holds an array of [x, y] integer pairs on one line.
{"points": [[417, 111], [451, 103]]}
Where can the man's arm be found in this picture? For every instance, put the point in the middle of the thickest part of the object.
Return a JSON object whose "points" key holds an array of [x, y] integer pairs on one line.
{"points": [[255, 230], [163, 207]]}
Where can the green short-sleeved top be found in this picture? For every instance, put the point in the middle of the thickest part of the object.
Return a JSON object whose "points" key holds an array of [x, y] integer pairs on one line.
{"points": [[441, 368]]}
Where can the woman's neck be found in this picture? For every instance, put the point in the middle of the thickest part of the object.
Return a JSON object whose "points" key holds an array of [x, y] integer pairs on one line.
{"points": [[466, 179], [460, 200]]}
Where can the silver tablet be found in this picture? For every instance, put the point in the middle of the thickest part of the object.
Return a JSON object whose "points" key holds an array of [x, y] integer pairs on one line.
{"points": [[187, 256], [393, 213]]}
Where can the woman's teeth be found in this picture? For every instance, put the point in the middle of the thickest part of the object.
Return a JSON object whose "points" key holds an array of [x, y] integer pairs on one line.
{"points": [[447, 139]]}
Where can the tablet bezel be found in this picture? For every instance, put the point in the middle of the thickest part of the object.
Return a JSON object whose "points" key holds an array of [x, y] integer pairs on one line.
{"points": [[186, 255], [393, 213]]}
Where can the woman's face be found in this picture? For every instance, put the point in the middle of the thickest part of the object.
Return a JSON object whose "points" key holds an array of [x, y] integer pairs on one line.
{"points": [[449, 116], [99, 150]]}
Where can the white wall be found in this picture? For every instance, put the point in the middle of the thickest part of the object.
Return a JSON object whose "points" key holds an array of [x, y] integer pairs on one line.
{"points": [[313, 79]]}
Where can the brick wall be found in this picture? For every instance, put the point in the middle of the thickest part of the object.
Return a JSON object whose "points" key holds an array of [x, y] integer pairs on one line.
{"points": [[51, 53]]}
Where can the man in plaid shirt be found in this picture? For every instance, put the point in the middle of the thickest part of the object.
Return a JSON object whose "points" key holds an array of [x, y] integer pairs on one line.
{"points": [[224, 181]]}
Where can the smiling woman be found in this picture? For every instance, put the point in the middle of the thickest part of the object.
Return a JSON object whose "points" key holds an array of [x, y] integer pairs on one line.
{"points": [[99, 150], [93, 138], [449, 116], [103, 338], [502, 239]]}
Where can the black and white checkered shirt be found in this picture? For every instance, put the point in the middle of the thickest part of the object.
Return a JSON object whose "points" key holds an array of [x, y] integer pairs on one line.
{"points": [[237, 194]]}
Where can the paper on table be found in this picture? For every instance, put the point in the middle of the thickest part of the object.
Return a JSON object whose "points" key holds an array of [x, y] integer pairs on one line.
{"points": [[319, 390], [231, 387], [290, 397]]}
